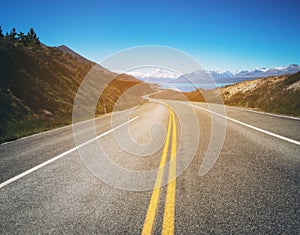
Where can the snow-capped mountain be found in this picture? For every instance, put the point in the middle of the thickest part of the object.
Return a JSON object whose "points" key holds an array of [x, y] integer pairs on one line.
{"points": [[204, 76], [264, 72], [158, 74]]}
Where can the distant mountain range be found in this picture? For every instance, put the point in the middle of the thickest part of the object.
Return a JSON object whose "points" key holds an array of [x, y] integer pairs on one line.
{"points": [[200, 77], [266, 72], [205, 76]]}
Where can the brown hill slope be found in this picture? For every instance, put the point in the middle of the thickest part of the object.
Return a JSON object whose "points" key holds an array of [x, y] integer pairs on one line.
{"points": [[38, 85], [67, 50], [277, 94]]}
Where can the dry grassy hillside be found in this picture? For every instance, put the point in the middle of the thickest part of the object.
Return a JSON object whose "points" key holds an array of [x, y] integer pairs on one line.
{"points": [[38, 85], [277, 94]]}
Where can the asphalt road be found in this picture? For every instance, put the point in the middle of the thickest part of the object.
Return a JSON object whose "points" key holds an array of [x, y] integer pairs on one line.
{"points": [[253, 187]]}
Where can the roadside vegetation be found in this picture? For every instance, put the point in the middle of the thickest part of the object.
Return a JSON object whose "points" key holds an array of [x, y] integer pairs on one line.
{"points": [[38, 85], [278, 94]]}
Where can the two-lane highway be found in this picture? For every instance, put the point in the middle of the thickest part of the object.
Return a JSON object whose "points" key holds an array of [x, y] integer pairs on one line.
{"points": [[253, 187]]}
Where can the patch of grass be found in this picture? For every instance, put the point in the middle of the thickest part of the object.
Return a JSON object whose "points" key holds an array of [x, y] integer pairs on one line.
{"points": [[21, 129]]}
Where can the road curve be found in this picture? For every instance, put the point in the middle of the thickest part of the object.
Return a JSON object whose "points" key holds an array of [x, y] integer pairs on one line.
{"points": [[253, 187]]}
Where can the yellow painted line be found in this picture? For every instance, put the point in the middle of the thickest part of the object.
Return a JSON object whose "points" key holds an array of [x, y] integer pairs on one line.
{"points": [[169, 213], [150, 217]]}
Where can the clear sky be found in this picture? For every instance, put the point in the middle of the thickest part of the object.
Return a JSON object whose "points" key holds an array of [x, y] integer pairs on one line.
{"points": [[221, 34]]}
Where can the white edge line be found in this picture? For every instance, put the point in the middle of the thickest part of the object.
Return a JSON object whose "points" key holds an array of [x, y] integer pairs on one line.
{"points": [[264, 113], [63, 154], [253, 127]]}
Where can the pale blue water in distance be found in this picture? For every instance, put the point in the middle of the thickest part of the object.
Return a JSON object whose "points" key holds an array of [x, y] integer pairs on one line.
{"points": [[186, 87]]}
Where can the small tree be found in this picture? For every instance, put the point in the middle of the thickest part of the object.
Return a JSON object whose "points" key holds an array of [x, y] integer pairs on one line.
{"points": [[13, 34], [1, 33], [32, 36]]}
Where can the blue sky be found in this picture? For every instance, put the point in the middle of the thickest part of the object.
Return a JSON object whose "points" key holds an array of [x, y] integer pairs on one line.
{"points": [[225, 35]]}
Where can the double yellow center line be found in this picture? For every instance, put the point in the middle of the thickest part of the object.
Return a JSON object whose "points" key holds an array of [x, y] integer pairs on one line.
{"points": [[169, 211]]}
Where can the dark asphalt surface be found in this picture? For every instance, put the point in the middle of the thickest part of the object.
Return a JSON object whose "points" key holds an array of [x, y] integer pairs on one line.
{"points": [[254, 187]]}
